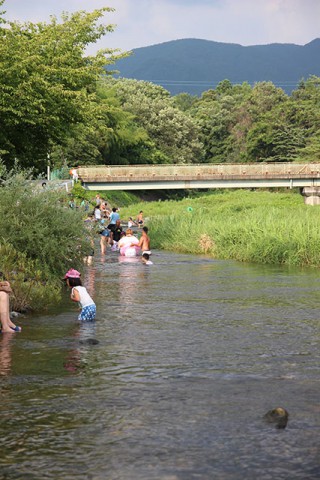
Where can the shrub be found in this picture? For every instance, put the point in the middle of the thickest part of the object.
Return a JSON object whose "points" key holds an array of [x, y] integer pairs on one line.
{"points": [[32, 288], [40, 238]]}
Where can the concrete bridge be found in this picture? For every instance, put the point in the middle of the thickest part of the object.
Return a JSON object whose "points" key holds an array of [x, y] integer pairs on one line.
{"points": [[159, 177]]}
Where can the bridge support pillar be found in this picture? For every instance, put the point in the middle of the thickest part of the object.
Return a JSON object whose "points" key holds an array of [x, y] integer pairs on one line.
{"points": [[311, 195]]}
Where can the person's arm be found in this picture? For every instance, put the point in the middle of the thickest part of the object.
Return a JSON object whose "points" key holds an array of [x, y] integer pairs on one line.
{"points": [[75, 297]]}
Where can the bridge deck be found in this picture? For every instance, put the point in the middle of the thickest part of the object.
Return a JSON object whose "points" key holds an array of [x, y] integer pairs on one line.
{"points": [[200, 176], [113, 173]]}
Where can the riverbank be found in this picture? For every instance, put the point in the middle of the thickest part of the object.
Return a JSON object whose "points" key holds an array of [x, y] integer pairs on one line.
{"points": [[249, 226]]}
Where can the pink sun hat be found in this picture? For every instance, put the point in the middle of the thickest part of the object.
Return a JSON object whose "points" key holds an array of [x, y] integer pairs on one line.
{"points": [[72, 273]]}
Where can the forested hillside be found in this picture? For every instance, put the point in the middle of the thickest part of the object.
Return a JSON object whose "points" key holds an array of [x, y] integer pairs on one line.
{"points": [[59, 105], [193, 65]]}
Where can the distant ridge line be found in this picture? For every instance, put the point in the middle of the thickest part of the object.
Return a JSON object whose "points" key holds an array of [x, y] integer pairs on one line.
{"points": [[192, 65]]}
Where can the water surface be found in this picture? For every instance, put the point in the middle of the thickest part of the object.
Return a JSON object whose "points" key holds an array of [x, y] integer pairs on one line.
{"points": [[192, 352]]}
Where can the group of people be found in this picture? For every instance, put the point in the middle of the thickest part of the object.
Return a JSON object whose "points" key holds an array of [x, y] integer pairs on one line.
{"points": [[112, 234], [127, 244]]}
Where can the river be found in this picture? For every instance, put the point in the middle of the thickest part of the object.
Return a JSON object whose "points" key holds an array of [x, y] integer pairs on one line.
{"points": [[192, 353]]}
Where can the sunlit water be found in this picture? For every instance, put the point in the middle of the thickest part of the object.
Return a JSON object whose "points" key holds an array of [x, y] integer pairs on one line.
{"points": [[192, 353]]}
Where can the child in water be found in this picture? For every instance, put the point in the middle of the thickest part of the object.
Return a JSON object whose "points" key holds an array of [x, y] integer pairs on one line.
{"points": [[79, 294], [146, 259]]}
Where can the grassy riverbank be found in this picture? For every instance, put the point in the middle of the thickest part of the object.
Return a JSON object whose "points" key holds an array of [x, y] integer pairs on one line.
{"points": [[249, 226]]}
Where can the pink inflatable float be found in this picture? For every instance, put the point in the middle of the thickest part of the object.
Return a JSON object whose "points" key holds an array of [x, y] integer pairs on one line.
{"points": [[129, 245], [128, 251]]}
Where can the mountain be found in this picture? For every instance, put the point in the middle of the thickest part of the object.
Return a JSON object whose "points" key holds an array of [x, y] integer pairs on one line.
{"points": [[193, 65]]}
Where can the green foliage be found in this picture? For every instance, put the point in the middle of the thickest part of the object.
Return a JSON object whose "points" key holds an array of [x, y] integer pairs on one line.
{"points": [[173, 134], [184, 101], [114, 198], [217, 115], [47, 84], [243, 124], [276, 142], [32, 288], [41, 225]]}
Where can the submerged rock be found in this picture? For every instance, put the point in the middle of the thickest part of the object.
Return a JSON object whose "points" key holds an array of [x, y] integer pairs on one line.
{"points": [[89, 341], [278, 416]]}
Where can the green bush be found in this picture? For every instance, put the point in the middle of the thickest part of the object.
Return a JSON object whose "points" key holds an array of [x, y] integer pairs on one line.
{"points": [[32, 288], [40, 238]]}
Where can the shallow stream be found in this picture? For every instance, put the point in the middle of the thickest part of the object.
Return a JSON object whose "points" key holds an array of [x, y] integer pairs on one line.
{"points": [[192, 353]]}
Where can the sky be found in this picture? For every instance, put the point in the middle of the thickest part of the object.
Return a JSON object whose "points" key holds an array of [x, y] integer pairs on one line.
{"points": [[140, 23]]}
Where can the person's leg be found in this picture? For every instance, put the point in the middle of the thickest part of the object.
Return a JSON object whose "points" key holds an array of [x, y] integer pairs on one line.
{"points": [[103, 244], [88, 313], [7, 325]]}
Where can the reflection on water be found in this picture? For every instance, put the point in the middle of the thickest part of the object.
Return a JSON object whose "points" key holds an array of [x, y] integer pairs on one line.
{"points": [[5, 353], [192, 353]]}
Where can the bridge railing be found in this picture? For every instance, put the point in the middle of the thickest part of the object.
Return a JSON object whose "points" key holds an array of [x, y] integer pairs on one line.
{"points": [[127, 173]]}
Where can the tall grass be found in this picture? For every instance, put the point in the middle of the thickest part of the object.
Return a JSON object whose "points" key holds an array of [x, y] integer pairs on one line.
{"points": [[249, 226], [114, 198]]}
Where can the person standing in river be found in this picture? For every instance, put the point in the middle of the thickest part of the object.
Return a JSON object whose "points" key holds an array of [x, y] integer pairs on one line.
{"points": [[80, 295], [105, 237], [140, 220], [144, 242], [117, 231], [114, 216]]}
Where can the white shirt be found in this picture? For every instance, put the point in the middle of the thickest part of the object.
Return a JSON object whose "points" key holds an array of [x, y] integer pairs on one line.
{"points": [[85, 298]]}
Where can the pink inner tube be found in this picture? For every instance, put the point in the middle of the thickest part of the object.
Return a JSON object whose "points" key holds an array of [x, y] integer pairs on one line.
{"points": [[130, 251]]}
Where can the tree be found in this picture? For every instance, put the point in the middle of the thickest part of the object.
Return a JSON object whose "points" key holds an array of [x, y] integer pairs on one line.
{"points": [[174, 134], [47, 84], [184, 101], [305, 113], [217, 114]]}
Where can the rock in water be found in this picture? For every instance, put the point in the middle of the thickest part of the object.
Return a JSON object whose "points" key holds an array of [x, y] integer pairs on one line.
{"points": [[278, 416], [89, 341]]}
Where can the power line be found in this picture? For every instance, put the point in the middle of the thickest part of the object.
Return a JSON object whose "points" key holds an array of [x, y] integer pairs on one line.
{"points": [[196, 83], [200, 82]]}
